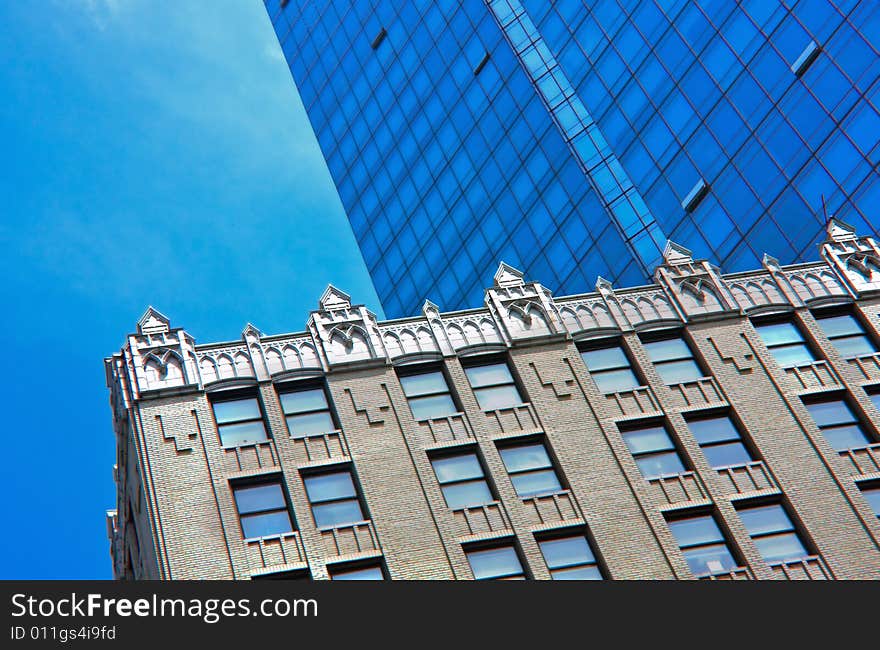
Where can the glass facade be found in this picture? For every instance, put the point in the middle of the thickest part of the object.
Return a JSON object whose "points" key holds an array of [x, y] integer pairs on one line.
{"points": [[571, 139]]}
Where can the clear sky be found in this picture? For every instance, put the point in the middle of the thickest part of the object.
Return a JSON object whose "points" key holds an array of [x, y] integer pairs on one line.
{"points": [[153, 153]]}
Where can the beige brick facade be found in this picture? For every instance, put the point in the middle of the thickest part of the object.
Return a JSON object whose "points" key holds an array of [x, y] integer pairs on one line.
{"points": [[176, 517]]}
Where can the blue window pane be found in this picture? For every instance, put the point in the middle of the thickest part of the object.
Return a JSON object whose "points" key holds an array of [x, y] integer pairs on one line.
{"points": [[259, 497], [494, 563], [531, 483], [234, 435], [713, 430], [657, 465], [872, 496], [265, 524], [648, 440], [234, 411], [467, 494], [605, 359], [434, 406], [496, 373], [329, 486], [778, 548], [779, 333], [338, 513], [498, 397], [616, 381], [834, 326], [695, 530], [568, 551], [369, 573], [667, 350], [831, 413], [854, 346], [424, 384], [303, 400], [577, 573], [765, 519], [678, 372], [790, 356], [709, 560], [849, 436], [457, 468], [310, 424], [525, 457], [727, 454]]}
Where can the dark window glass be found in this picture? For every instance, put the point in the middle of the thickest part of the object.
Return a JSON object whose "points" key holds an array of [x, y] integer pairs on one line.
{"points": [[786, 344], [847, 335], [500, 563], [334, 499], [654, 452], [610, 369], [307, 412], [239, 422], [530, 469], [875, 398], [570, 558], [363, 573], [673, 360], [839, 424], [720, 441], [773, 533], [493, 386], [872, 496], [262, 510], [462, 481], [703, 544], [428, 395]]}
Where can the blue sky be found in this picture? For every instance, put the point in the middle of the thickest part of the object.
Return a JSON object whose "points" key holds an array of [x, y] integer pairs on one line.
{"points": [[154, 153]]}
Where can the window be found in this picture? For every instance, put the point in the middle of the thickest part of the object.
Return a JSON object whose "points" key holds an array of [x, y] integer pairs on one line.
{"points": [[720, 441], [499, 563], [610, 369], [334, 499], [300, 575], [307, 412], [570, 558], [531, 470], [838, 424], [654, 452], [703, 544], [773, 533], [239, 422], [462, 481], [847, 335], [262, 509], [373, 572], [673, 360], [872, 496], [493, 386], [874, 396], [428, 395], [786, 344]]}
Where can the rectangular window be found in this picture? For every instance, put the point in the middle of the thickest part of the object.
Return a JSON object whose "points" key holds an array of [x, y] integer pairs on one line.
{"points": [[773, 533], [239, 422], [874, 396], [654, 452], [786, 344], [847, 335], [462, 481], [610, 369], [428, 395], [703, 544], [570, 558], [307, 412], [334, 499], [357, 573], [673, 360], [531, 470], [872, 496], [839, 424], [262, 509], [499, 563], [720, 441], [493, 386]]}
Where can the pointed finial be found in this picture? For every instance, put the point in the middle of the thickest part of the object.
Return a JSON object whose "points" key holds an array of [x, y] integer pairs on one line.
{"points": [[153, 322], [508, 276], [675, 254], [334, 298]]}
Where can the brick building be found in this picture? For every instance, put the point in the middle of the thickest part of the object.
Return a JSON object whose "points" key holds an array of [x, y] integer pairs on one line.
{"points": [[703, 426]]}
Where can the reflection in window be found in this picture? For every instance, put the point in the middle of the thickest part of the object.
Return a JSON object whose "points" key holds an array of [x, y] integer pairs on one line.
{"points": [[428, 395], [362, 573], [610, 369], [334, 499], [654, 452], [839, 424], [673, 360], [786, 344], [570, 558], [720, 441], [703, 544], [847, 335], [307, 412], [773, 533], [500, 563], [262, 510], [239, 422], [462, 481], [493, 386], [531, 470]]}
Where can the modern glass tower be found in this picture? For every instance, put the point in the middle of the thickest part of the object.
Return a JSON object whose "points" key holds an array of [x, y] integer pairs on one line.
{"points": [[572, 139]]}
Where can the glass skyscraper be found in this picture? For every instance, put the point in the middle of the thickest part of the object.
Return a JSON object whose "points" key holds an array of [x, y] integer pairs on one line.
{"points": [[571, 139]]}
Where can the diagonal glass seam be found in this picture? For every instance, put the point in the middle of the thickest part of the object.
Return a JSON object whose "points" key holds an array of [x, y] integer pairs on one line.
{"points": [[619, 196]]}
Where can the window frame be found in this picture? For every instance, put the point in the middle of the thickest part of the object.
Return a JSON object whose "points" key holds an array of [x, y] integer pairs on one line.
{"points": [[406, 371], [357, 498], [865, 331], [265, 480], [804, 340], [552, 464], [344, 568], [724, 540], [572, 533], [628, 428], [606, 345], [872, 486], [239, 396], [523, 574], [514, 381], [858, 420], [287, 389], [676, 335], [485, 478], [743, 440], [796, 529]]}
